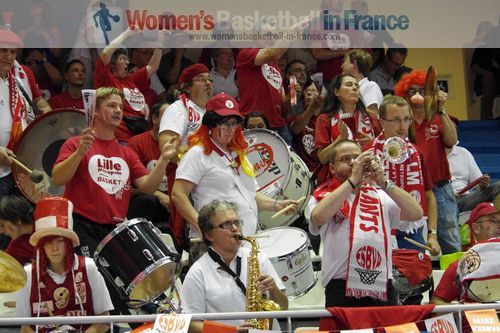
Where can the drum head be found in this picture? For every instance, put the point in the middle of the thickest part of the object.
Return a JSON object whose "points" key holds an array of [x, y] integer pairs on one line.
{"points": [[281, 241], [270, 158], [39, 146]]}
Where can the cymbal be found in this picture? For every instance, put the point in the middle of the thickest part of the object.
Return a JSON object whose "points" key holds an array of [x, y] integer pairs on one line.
{"points": [[12, 274]]}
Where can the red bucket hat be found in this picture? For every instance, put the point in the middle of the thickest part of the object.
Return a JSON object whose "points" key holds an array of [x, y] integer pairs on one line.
{"points": [[190, 72]]}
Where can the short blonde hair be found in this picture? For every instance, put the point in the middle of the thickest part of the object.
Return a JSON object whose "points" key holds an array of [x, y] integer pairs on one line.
{"points": [[104, 92]]}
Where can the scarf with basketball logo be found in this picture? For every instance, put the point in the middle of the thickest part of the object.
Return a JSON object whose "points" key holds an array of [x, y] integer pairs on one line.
{"points": [[407, 175], [368, 269], [17, 108]]}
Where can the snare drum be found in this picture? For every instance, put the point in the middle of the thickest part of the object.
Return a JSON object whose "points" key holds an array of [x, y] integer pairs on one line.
{"points": [[280, 173], [288, 251], [134, 258]]}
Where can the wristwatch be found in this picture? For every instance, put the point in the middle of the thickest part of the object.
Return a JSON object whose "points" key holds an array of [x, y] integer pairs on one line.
{"points": [[389, 185], [433, 231]]}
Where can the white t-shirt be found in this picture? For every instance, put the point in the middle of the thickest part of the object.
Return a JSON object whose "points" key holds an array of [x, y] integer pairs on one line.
{"points": [[208, 289], [101, 300], [6, 121], [335, 238], [463, 168], [180, 120], [215, 179], [370, 92]]}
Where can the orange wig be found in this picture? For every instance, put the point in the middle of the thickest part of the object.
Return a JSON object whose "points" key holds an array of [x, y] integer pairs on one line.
{"points": [[416, 77], [202, 137]]}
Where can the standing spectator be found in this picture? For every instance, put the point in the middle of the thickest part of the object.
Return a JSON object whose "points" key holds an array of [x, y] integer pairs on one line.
{"points": [[260, 86], [357, 63], [172, 64], [432, 137], [354, 219], [181, 119], [71, 98], [223, 72], [383, 75], [112, 71]]}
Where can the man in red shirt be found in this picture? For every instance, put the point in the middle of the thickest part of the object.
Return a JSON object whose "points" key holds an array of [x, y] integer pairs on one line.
{"points": [[433, 134], [71, 98], [98, 172], [484, 224]]}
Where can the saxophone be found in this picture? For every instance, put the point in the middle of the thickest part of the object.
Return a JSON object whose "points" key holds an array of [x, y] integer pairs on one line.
{"points": [[255, 301]]}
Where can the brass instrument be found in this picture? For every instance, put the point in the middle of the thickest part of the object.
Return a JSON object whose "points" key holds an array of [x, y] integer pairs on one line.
{"points": [[255, 301], [395, 150]]}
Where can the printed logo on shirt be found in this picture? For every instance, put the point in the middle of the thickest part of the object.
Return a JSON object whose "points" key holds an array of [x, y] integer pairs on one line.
{"points": [[78, 277], [308, 143], [110, 173], [431, 132], [164, 184], [134, 98], [272, 76], [81, 289]]}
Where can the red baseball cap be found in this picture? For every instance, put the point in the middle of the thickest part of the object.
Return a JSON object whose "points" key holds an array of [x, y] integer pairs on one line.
{"points": [[224, 105], [482, 209], [190, 72]]}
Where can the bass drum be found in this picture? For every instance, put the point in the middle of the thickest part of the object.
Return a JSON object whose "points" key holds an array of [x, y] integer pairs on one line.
{"points": [[39, 146], [280, 173], [134, 259]]}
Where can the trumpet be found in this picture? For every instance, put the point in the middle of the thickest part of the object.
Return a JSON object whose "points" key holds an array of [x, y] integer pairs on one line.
{"points": [[395, 150]]}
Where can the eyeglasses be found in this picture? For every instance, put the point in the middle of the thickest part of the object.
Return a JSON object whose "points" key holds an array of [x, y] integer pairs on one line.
{"points": [[230, 224], [203, 80], [406, 120], [347, 159], [413, 91], [229, 125]]}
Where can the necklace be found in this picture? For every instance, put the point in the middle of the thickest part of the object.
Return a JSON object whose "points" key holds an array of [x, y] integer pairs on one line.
{"points": [[234, 163]]}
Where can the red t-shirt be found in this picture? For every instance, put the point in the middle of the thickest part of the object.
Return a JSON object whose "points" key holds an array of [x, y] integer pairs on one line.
{"points": [[330, 68], [102, 185], [21, 249], [132, 86], [65, 101], [430, 141], [303, 143], [260, 87], [148, 151]]}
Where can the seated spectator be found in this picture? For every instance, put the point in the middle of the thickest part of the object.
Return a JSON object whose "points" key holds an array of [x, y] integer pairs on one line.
{"points": [[383, 75], [357, 63], [464, 170], [255, 119], [71, 98], [61, 283], [222, 273], [484, 223], [223, 73], [16, 221]]}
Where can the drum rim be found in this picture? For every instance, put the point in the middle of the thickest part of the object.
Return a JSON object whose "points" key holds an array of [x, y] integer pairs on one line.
{"points": [[22, 137], [296, 251], [308, 289], [116, 231], [151, 268]]}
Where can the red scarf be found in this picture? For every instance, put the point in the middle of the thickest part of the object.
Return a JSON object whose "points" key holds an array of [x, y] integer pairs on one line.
{"points": [[368, 269], [362, 124], [407, 175], [17, 109]]}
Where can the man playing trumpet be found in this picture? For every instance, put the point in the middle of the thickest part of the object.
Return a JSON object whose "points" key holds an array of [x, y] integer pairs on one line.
{"points": [[354, 214], [408, 173]]}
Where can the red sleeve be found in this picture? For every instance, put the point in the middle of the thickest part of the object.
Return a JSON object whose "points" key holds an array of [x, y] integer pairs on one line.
{"points": [[323, 131], [447, 289], [35, 91], [101, 73], [67, 149], [140, 78], [246, 57]]}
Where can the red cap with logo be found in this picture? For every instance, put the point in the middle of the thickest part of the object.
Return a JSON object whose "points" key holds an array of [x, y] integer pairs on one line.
{"points": [[190, 72], [224, 105], [482, 209]]}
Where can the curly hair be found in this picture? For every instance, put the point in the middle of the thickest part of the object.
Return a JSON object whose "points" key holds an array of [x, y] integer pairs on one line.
{"points": [[416, 77]]}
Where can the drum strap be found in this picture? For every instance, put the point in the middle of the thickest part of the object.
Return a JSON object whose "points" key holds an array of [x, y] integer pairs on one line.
{"points": [[236, 276]]}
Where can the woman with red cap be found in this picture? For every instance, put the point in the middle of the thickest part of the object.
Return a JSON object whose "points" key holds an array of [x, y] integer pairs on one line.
{"points": [[216, 167], [60, 283]]}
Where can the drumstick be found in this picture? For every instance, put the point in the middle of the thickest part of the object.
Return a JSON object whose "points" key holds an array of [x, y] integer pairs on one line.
{"points": [[287, 208], [414, 242], [35, 176]]}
